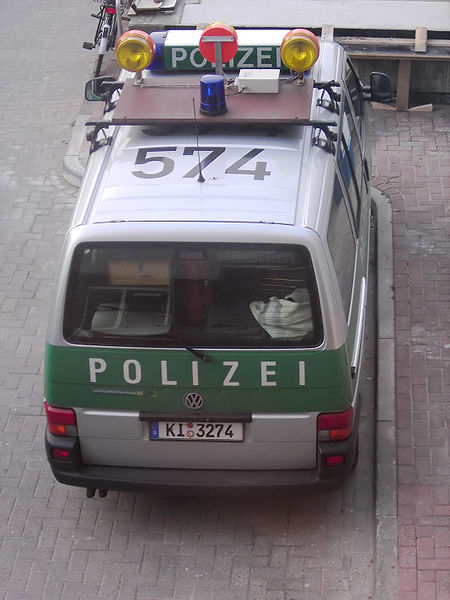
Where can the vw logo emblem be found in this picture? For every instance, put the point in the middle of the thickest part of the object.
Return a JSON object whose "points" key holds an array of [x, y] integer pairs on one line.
{"points": [[193, 400]]}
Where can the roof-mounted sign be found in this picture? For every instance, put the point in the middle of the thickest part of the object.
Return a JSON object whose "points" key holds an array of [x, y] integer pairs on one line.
{"points": [[256, 49], [195, 50]]}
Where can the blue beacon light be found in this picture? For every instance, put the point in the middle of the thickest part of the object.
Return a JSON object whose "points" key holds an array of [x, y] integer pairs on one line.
{"points": [[157, 64], [212, 95]]}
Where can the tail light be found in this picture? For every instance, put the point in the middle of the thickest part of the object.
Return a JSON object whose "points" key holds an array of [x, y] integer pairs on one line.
{"points": [[334, 461], [61, 454], [61, 421], [335, 426]]}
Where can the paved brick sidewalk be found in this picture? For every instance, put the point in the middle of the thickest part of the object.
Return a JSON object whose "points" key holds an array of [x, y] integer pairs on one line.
{"points": [[412, 167]]}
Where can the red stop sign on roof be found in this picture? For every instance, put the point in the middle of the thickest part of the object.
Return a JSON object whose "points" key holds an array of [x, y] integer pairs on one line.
{"points": [[218, 33]]}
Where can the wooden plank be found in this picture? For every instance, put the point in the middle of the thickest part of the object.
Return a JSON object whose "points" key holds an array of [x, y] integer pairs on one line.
{"points": [[396, 55], [421, 39], [175, 104], [381, 106], [422, 108], [403, 81], [388, 42], [397, 48]]}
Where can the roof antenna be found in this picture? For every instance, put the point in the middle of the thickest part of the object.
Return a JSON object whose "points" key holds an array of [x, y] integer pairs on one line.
{"points": [[200, 178]]}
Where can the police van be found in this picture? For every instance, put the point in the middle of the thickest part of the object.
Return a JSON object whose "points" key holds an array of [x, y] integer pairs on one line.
{"points": [[207, 324]]}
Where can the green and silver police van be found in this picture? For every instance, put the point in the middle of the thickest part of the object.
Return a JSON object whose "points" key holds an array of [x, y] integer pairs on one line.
{"points": [[207, 324]]}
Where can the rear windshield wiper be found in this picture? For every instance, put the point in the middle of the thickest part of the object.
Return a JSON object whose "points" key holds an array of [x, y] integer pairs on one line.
{"points": [[197, 353]]}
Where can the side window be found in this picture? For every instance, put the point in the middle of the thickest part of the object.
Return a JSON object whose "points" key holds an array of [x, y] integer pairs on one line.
{"points": [[356, 95], [342, 244], [354, 87], [350, 161], [353, 141]]}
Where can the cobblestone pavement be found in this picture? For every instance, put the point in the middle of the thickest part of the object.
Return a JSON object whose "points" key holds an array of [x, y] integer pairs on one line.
{"points": [[412, 167]]}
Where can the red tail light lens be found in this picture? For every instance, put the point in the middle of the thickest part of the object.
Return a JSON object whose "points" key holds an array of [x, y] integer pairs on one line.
{"points": [[60, 454], [334, 461], [335, 426], [61, 421]]}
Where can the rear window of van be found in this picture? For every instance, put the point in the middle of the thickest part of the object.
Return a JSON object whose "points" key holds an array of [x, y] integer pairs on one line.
{"points": [[206, 295]]}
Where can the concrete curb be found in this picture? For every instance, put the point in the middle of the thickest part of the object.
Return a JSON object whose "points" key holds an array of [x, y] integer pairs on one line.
{"points": [[74, 164], [73, 169], [386, 555]]}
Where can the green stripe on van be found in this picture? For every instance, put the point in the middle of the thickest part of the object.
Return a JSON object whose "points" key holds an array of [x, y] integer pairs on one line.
{"points": [[233, 381]]}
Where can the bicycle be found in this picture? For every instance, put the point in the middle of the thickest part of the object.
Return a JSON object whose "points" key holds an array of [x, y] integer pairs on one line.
{"points": [[106, 32]]}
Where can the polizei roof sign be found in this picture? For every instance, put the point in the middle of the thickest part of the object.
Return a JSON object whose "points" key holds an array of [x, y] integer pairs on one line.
{"points": [[256, 50]]}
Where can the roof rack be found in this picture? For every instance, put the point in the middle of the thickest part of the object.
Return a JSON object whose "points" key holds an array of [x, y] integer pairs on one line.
{"points": [[155, 102]]}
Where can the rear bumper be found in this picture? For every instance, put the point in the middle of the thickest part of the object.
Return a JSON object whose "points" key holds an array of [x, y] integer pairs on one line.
{"points": [[74, 472]]}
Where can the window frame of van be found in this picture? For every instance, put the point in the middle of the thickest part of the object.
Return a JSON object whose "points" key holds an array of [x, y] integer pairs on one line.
{"points": [[359, 116], [346, 162], [351, 73], [343, 285]]}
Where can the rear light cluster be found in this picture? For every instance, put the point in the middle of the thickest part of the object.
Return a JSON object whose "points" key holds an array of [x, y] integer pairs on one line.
{"points": [[333, 427], [61, 421]]}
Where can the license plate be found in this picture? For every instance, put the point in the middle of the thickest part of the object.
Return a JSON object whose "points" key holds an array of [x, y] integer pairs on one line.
{"points": [[199, 432]]}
